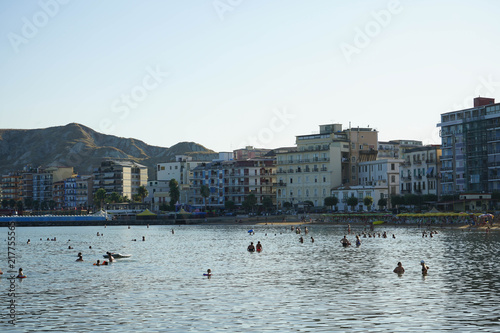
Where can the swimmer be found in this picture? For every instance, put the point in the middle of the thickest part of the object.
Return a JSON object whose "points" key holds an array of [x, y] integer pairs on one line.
{"points": [[29, 241], [424, 267], [301, 239], [143, 238], [172, 231], [80, 257], [312, 239], [110, 257], [251, 247], [259, 246], [1, 272], [98, 234], [98, 263], [21, 274], [345, 242], [209, 273], [399, 269], [70, 248], [90, 246], [358, 241]]}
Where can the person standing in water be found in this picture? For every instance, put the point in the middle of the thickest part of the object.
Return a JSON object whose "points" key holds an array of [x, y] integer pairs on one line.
{"points": [[399, 269], [259, 246], [345, 242], [424, 267]]}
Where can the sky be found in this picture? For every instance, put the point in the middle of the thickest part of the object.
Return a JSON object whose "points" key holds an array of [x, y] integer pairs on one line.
{"points": [[232, 73]]}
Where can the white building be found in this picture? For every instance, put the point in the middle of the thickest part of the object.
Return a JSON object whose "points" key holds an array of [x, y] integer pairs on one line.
{"points": [[382, 174]]}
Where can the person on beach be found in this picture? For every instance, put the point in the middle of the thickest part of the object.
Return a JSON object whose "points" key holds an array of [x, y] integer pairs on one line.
{"points": [[345, 242], [259, 246], [399, 269], [80, 257], [251, 247], [424, 267]]}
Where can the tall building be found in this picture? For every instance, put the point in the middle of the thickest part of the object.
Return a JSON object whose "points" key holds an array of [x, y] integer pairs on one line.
{"points": [[78, 192], [43, 180], [122, 177], [11, 186], [420, 170], [470, 142], [321, 162], [249, 152]]}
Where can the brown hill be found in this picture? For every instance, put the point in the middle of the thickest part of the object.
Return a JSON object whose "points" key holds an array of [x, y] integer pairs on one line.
{"points": [[83, 148]]}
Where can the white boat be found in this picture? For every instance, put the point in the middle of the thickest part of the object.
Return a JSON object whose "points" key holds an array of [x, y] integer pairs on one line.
{"points": [[118, 255]]}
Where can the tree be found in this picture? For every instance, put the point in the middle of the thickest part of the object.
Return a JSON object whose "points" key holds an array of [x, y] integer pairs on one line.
{"points": [[287, 204], [19, 205], [331, 201], [142, 192], [5, 203], [115, 198], [174, 192], [205, 193], [51, 204], [28, 203], [44, 205], [12, 203], [382, 202], [249, 202], [99, 197], [397, 200], [352, 202], [136, 197], [229, 205], [267, 203], [368, 202]]}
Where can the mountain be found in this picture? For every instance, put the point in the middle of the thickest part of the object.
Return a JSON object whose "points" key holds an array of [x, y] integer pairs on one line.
{"points": [[83, 148]]}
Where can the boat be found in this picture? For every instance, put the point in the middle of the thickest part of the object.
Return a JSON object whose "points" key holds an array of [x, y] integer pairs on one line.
{"points": [[118, 255]]}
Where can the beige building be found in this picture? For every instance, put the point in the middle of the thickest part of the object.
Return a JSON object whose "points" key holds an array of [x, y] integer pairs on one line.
{"points": [[420, 170], [122, 177], [321, 162]]}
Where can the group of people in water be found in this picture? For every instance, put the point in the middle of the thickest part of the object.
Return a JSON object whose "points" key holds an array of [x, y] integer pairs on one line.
{"points": [[400, 269], [252, 248]]}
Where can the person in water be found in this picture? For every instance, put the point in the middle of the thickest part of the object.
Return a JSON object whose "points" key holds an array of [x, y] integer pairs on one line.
{"points": [[110, 257], [358, 241], [345, 242], [251, 247], [424, 267], [301, 239], [80, 257], [259, 246], [399, 269], [21, 274], [209, 273]]}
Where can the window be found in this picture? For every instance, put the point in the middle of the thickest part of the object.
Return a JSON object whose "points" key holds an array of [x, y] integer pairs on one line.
{"points": [[291, 180], [393, 167], [393, 179]]}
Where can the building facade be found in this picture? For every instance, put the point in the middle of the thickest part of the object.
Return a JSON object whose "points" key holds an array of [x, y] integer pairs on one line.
{"points": [[420, 170], [470, 142], [122, 177]]}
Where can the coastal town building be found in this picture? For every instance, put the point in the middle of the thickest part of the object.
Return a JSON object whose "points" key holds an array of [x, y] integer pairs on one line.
{"points": [[158, 194], [43, 181], [11, 186], [122, 177], [396, 148], [322, 161], [375, 192], [234, 181], [78, 192], [420, 170], [470, 142], [249, 152]]}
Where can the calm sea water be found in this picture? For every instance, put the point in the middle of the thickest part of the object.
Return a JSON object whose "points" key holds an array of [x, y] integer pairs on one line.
{"points": [[289, 287]]}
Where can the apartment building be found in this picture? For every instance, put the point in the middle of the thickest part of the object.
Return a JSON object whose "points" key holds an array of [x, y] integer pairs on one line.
{"points": [[420, 170], [470, 143], [122, 177], [78, 192], [321, 162], [234, 181]]}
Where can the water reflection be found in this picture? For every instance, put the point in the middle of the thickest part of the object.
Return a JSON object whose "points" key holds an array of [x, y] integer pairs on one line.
{"points": [[303, 287]]}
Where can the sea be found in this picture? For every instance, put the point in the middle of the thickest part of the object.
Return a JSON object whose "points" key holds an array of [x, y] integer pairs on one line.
{"points": [[290, 286]]}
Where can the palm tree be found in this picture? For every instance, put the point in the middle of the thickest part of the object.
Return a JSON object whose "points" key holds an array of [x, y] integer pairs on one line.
{"points": [[142, 192], [205, 193], [99, 196]]}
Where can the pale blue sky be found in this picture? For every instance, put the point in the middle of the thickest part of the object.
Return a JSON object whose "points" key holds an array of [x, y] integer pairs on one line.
{"points": [[249, 72]]}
